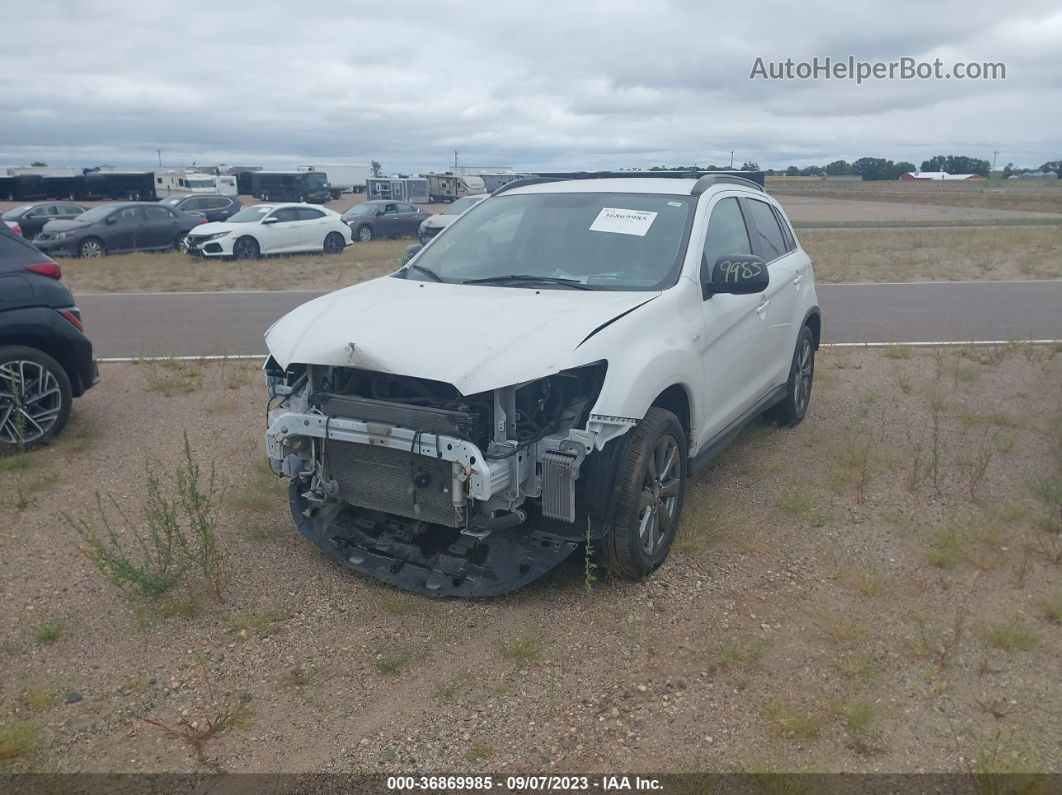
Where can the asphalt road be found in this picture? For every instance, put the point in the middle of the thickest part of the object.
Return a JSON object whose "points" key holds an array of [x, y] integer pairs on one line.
{"points": [[202, 324]]}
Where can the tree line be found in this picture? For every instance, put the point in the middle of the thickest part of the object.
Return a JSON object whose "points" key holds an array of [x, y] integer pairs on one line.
{"points": [[877, 168]]}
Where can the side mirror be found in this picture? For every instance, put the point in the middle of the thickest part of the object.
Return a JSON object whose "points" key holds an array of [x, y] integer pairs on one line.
{"points": [[271, 220], [111, 219], [411, 252], [737, 274]]}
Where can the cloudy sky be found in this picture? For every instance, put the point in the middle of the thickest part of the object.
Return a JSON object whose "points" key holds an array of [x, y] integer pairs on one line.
{"points": [[545, 85]]}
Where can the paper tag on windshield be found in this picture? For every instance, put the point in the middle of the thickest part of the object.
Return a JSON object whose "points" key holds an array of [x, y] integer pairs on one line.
{"points": [[624, 222]]}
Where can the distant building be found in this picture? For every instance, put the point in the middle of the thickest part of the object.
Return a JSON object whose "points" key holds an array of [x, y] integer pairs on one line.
{"points": [[939, 176], [1035, 175]]}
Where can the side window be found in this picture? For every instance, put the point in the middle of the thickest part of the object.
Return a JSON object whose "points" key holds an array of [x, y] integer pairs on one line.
{"points": [[767, 230], [215, 204], [286, 214], [406, 208], [40, 212], [129, 215], [727, 233], [158, 214], [307, 214], [191, 205], [390, 208], [787, 233]]}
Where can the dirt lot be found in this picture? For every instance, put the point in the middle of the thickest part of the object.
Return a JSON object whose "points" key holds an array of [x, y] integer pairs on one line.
{"points": [[875, 590]]}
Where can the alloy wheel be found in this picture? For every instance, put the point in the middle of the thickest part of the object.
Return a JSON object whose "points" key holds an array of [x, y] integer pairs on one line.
{"points": [[30, 401], [659, 496], [91, 249], [365, 234], [805, 372]]}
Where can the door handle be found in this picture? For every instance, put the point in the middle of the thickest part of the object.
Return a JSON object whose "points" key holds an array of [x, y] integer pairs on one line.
{"points": [[799, 276], [763, 307]]}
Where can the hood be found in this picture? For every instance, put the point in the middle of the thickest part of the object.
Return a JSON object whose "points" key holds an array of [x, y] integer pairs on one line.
{"points": [[51, 227], [439, 221], [213, 227], [474, 337]]}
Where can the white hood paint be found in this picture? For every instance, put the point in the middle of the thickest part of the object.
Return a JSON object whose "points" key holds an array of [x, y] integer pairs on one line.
{"points": [[477, 338]]}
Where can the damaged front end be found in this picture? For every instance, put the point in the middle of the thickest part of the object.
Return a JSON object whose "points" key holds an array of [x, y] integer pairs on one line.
{"points": [[409, 481]]}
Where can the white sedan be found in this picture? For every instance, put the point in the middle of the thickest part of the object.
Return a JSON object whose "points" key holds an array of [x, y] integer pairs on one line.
{"points": [[271, 229]]}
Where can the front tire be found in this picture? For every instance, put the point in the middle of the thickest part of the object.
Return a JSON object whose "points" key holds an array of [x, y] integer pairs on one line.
{"points": [[246, 248], [91, 248], [365, 234], [35, 398], [794, 406], [333, 243], [652, 489]]}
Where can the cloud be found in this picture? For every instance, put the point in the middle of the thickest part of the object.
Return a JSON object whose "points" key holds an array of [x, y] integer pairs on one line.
{"points": [[552, 85]]}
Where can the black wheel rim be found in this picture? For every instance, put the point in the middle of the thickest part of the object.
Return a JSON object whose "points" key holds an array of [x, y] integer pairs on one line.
{"points": [[658, 501], [244, 249], [30, 401], [331, 244], [805, 364]]}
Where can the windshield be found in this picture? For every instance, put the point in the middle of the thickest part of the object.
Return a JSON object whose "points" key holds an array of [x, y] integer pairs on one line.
{"points": [[603, 241], [365, 208], [96, 214], [11, 214], [250, 215], [461, 205], [315, 179]]}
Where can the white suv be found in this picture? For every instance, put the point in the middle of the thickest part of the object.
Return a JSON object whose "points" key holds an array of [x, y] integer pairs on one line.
{"points": [[547, 372]]}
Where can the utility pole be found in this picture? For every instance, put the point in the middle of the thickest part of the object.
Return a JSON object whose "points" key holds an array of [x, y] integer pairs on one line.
{"points": [[731, 158], [160, 157], [455, 161], [994, 155]]}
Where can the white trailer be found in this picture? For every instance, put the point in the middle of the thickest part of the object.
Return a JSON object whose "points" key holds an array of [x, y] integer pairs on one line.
{"points": [[167, 182], [342, 178]]}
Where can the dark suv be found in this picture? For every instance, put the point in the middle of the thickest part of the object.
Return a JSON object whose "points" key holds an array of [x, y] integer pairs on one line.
{"points": [[212, 206], [45, 358]]}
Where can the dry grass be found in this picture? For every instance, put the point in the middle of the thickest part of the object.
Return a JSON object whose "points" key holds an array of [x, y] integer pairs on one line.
{"points": [[899, 255], [173, 271]]}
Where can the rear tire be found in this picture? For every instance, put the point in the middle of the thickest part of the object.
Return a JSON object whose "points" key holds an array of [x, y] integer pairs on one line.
{"points": [[794, 406], [181, 242], [333, 243], [652, 481], [35, 398], [246, 248]]}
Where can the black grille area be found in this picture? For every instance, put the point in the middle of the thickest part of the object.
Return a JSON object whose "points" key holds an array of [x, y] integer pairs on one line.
{"points": [[425, 419], [394, 481]]}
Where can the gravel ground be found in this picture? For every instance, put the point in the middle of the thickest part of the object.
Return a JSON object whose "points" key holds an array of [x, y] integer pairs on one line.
{"points": [[823, 610]]}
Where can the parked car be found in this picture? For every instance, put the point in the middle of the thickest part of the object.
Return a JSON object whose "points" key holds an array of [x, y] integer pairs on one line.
{"points": [[212, 206], [434, 224], [117, 229], [373, 219], [30, 219], [45, 358], [547, 372], [271, 229]]}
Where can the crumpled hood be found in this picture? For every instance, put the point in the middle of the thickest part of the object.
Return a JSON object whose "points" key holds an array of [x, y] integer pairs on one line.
{"points": [[474, 337]]}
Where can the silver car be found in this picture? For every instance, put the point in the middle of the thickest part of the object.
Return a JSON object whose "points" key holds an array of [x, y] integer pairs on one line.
{"points": [[436, 223]]}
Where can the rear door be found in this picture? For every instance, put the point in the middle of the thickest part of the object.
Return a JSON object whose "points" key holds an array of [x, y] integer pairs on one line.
{"points": [[778, 304], [409, 219], [161, 227], [313, 226]]}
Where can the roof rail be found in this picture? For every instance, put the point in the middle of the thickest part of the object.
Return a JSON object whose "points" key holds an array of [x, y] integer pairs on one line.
{"points": [[705, 179], [519, 183]]}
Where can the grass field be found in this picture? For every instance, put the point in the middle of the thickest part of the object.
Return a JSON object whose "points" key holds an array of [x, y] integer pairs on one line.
{"points": [[877, 589], [989, 194], [873, 255]]}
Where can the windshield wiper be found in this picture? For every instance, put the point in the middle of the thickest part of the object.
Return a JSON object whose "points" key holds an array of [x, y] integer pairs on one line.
{"points": [[426, 271], [529, 278]]}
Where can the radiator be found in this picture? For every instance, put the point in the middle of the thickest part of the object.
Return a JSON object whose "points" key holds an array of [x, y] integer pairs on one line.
{"points": [[380, 478]]}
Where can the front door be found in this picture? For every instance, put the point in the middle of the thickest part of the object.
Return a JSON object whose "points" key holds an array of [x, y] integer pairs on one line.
{"points": [[283, 234], [125, 232], [730, 352]]}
